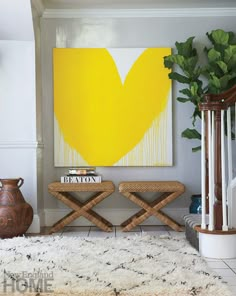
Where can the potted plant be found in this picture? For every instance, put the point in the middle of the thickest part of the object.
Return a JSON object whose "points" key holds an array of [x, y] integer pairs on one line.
{"points": [[216, 74], [213, 75]]}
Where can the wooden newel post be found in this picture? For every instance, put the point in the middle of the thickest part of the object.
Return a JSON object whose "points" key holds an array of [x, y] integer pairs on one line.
{"points": [[218, 217]]}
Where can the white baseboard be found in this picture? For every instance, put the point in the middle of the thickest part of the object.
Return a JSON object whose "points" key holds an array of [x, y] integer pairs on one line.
{"points": [[35, 225], [115, 216]]}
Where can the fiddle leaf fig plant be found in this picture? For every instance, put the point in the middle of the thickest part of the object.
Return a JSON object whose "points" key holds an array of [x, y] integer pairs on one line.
{"points": [[217, 74]]}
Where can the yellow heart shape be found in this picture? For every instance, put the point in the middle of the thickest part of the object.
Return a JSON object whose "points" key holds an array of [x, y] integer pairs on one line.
{"points": [[99, 117]]}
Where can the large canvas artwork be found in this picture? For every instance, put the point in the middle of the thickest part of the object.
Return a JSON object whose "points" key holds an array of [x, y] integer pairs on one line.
{"points": [[112, 107]]}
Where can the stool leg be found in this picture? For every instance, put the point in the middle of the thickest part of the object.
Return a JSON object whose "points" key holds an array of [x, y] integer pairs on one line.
{"points": [[143, 214], [168, 221], [152, 209], [80, 209], [63, 222]]}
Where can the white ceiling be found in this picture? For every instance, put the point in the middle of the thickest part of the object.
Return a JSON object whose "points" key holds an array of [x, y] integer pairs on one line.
{"points": [[70, 4]]}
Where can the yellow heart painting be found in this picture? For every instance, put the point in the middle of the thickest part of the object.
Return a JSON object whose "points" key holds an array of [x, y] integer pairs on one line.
{"points": [[112, 107]]}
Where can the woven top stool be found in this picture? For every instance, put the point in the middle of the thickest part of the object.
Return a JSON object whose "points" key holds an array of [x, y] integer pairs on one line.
{"points": [[62, 191], [170, 191]]}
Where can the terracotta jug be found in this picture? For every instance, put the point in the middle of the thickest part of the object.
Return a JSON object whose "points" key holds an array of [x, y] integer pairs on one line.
{"points": [[16, 214]]}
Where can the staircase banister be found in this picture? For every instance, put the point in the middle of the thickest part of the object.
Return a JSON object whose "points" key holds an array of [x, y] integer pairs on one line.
{"points": [[217, 102], [222, 96], [212, 106], [231, 100]]}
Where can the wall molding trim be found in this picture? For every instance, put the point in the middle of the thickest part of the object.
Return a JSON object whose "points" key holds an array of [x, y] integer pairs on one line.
{"points": [[21, 145], [35, 225], [115, 216], [129, 13], [39, 7]]}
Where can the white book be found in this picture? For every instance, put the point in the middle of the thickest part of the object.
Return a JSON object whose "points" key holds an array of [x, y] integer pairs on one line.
{"points": [[81, 171], [81, 179]]}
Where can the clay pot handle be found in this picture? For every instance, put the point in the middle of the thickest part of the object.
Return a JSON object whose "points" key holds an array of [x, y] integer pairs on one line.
{"points": [[20, 182]]}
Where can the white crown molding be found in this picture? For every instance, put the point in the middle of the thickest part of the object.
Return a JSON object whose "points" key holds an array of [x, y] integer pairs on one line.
{"points": [[39, 7], [125, 13], [21, 145]]}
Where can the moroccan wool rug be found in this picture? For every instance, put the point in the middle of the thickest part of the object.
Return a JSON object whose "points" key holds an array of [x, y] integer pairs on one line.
{"points": [[133, 266]]}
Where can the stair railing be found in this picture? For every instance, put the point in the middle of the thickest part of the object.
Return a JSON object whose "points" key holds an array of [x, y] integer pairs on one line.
{"points": [[216, 160]]}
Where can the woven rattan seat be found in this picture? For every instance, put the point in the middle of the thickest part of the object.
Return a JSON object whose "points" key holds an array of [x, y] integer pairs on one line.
{"points": [[151, 186], [82, 187]]}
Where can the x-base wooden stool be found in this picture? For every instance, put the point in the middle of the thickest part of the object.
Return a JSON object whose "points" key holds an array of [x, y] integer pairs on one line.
{"points": [[62, 192], [171, 190]]}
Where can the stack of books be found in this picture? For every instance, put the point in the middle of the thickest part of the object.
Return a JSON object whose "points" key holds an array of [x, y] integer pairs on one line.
{"points": [[81, 175]]}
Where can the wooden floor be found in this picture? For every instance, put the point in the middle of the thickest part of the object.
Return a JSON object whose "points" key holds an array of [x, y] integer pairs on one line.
{"points": [[224, 268]]}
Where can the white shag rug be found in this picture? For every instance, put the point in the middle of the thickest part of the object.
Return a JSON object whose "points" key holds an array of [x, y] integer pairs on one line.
{"points": [[132, 266]]}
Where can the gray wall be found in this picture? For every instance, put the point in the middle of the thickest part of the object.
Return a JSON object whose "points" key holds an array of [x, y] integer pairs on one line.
{"points": [[127, 32]]}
